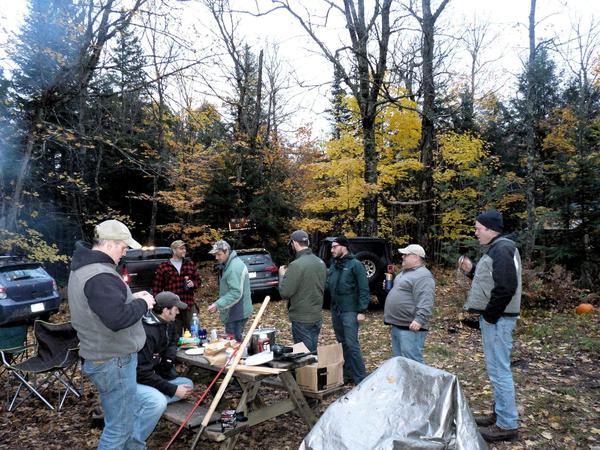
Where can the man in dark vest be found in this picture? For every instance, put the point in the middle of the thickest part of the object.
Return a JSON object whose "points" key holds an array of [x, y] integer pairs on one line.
{"points": [[107, 317], [496, 295]]}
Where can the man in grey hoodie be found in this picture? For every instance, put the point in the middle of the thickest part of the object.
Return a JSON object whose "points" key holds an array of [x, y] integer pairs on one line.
{"points": [[409, 304]]}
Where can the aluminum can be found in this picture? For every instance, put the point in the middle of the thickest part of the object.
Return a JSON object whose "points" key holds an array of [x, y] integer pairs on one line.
{"points": [[389, 281]]}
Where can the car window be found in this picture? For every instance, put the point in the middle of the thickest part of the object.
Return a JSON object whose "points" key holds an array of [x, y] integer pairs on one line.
{"points": [[141, 254], [256, 259], [25, 273]]}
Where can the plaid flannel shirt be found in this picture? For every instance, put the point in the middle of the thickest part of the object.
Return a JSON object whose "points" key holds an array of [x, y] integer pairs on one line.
{"points": [[167, 278]]}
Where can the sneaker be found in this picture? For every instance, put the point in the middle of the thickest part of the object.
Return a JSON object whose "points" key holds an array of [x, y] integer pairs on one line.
{"points": [[486, 421], [494, 433]]}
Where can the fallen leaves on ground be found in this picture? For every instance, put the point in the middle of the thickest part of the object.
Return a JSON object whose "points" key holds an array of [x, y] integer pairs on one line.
{"points": [[555, 366]]}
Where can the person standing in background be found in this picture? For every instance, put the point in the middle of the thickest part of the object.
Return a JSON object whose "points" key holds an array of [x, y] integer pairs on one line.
{"points": [[348, 286], [235, 302], [409, 304], [303, 284], [180, 276], [496, 295]]}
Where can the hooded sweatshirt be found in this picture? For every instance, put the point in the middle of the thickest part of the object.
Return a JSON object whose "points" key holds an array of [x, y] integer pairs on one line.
{"points": [[103, 310]]}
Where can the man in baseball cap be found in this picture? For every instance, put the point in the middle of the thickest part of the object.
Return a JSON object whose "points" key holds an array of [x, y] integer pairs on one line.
{"points": [[157, 381], [113, 230], [303, 284], [409, 304], [413, 249], [107, 317], [179, 275], [235, 301]]}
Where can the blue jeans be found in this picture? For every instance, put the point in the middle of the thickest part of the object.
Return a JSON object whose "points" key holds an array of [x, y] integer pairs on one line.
{"points": [[307, 333], [497, 345], [236, 328], [345, 326], [115, 380], [408, 344], [151, 405]]}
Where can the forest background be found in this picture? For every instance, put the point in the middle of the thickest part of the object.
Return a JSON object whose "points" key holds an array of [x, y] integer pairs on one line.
{"points": [[109, 110]]}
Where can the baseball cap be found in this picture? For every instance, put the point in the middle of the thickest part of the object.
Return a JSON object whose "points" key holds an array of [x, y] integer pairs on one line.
{"points": [[300, 236], [414, 249], [168, 299], [176, 244], [220, 246], [113, 230]]}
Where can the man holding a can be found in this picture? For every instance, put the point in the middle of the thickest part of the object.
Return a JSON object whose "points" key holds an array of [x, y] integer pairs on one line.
{"points": [[180, 276], [409, 304]]}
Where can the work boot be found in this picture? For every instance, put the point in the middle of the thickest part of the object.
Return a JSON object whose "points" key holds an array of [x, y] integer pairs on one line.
{"points": [[494, 433], [486, 421]]}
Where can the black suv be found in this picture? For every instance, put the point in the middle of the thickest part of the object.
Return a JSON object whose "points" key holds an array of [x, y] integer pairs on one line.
{"points": [[263, 273], [27, 291], [137, 267], [377, 256]]}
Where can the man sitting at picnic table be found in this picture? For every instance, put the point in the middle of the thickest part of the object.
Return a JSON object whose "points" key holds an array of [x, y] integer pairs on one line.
{"points": [[158, 383]]}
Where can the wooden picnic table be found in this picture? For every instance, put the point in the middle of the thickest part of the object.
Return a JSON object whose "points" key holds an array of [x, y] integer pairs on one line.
{"points": [[250, 402]]}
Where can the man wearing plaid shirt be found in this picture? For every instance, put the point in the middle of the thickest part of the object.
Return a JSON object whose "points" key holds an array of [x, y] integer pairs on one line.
{"points": [[180, 276]]}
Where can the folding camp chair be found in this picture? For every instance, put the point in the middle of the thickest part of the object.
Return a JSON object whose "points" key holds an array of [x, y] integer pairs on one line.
{"points": [[55, 362], [12, 343]]}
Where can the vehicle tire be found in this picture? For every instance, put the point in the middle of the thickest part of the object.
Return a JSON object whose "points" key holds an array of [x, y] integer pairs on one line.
{"points": [[372, 264]]}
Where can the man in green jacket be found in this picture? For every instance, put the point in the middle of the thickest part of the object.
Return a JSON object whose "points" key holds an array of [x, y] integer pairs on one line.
{"points": [[348, 286], [303, 284], [234, 303]]}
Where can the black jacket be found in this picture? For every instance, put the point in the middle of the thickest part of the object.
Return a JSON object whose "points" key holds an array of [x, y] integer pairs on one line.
{"points": [[156, 358]]}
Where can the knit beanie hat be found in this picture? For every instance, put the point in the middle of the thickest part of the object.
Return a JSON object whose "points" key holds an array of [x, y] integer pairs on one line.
{"points": [[491, 219], [342, 240]]}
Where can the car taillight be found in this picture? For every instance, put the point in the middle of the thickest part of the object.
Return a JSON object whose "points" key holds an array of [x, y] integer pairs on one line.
{"points": [[2, 291], [273, 268], [390, 268], [125, 275], [54, 286]]}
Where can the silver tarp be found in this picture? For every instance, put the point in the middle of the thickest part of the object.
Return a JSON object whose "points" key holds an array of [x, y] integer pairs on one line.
{"points": [[402, 405]]}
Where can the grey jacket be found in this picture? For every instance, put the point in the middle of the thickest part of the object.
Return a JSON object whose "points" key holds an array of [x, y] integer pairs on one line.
{"points": [[496, 288], [411, 298], [103, 334]]}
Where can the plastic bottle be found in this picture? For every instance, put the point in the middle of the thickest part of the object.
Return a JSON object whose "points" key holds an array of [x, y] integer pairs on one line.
{"points": [[195, 325]]}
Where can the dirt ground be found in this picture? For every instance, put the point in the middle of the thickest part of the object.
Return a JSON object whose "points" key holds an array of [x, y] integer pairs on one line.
{"points": [[555, 364]]}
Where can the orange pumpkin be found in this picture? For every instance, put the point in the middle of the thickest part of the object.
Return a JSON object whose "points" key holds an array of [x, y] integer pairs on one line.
{"points": [[584, 308]]}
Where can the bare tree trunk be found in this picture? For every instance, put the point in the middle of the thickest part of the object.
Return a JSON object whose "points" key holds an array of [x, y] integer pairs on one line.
{"points": [[256, 118], [154, 213], [365, 79], [428, 141], [530, 140]]}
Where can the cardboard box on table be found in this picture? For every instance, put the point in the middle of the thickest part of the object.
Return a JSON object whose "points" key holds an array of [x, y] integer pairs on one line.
{"points": [[326, 373]]}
